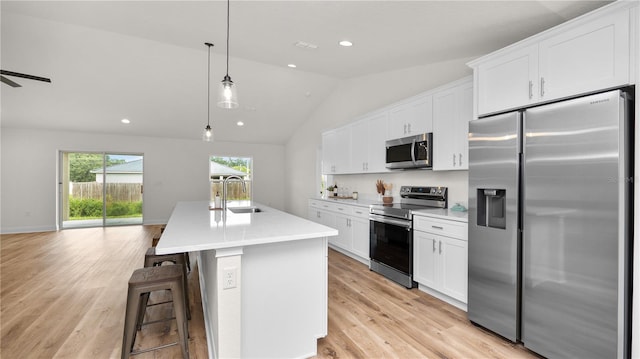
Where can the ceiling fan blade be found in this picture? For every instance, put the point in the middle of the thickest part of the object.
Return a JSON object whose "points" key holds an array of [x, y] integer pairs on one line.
{"points": [[9, 82], [24, 76]]}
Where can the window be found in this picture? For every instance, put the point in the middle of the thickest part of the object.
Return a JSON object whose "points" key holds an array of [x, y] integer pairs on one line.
{"points": [[100, 189], [222, 167]]}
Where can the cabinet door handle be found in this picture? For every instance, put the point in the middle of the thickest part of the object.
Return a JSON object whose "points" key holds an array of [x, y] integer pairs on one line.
{"points": [[542, 87], [409, 127], [454, 160], [530, 89], [434, 245], [437, 227], [439, 247], [460, 159], [404, 129]]}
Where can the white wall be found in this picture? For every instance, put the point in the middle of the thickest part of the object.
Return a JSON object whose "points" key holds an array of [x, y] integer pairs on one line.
{"points": [[174, 170], [456, 181], [356, 97]]}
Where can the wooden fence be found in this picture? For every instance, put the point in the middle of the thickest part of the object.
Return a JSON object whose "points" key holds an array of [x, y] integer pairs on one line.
{"points": [[125, 192], [233, 187]]}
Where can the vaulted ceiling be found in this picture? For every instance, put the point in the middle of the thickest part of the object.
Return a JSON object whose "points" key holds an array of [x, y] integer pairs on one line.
{"points": [[146, 60]]}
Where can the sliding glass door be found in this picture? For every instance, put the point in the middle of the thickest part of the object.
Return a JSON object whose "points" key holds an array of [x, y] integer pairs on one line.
{"points": [[100, 189]]}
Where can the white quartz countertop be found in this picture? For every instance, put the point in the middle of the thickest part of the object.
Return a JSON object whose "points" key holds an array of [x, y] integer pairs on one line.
{"points": [[443, 213], [353, 202], [194, 227]]}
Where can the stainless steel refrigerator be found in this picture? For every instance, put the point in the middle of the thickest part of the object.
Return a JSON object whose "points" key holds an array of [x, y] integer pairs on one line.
{"points": [[550, 191]]}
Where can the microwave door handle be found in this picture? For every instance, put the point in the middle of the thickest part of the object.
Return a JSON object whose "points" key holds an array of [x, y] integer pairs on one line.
{"points": [[413, 151]]}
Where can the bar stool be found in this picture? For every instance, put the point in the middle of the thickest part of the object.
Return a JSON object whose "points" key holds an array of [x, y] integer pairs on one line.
{"points": [[156, 239], [151, 259], [144, 281]]}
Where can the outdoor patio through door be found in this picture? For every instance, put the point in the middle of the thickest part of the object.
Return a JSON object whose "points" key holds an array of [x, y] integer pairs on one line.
{"points": [[100, 189]]}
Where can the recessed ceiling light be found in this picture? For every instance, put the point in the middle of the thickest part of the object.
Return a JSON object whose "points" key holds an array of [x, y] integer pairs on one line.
{"points": [[125, 121], [240, 123], [346, 43], [293, 66]]}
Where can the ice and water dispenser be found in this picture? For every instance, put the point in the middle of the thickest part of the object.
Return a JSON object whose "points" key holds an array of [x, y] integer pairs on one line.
{"points": [[492, 208]]}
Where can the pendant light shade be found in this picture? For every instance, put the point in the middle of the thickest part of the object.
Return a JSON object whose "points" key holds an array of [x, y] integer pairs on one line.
{"points": [[207, 134], [227, 94]]}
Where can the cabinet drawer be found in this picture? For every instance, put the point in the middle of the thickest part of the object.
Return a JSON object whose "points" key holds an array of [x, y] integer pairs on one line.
{"points": [[327, 206], [314, 203], [342, 208], [360, 212], [443, 227]]}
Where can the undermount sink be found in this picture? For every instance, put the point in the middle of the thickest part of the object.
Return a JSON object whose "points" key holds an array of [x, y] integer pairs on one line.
{"points": [[244, 209]]}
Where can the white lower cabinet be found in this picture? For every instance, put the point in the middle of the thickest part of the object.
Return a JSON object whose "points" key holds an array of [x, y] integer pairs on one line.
{"points": [[344, 239], [440, 258], [322, 215], [360, 231], [352, 223]]}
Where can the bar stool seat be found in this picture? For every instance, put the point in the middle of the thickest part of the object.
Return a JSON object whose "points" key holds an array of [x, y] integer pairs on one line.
{"points": [[151, 259], [144, 281]]}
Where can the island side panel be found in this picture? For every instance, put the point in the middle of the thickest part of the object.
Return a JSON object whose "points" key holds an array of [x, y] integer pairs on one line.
{"points": [[284, 298], [222, 310], [207, 278]]}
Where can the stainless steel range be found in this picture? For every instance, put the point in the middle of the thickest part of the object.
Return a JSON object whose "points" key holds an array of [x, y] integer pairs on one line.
{"points": [[391, 231]]}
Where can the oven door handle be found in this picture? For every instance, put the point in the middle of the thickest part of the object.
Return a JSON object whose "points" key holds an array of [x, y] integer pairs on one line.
{"points": [[395, 222]]}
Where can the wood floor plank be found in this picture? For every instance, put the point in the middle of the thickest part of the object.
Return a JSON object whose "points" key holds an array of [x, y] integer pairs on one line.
{"points": [[383, 319], [63, 295]]}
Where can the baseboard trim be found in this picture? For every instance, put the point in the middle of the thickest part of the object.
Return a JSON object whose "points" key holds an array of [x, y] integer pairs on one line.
{"points": [[34, 229]]}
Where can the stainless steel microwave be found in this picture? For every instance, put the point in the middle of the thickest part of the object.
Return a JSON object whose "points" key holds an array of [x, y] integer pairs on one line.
{"points": [[410, 152]]}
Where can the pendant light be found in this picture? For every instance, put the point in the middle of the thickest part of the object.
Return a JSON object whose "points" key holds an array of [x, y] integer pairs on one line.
{"points": [[207, 134], [227, 95]]}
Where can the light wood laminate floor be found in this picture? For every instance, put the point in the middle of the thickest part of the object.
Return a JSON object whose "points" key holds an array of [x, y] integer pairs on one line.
{"points": [[63, 295]]}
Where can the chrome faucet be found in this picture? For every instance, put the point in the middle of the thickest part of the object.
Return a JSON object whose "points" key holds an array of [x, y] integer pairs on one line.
{"points": [[224, 189]]}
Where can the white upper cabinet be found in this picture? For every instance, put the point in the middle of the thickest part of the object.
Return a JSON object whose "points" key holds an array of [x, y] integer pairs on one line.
{"points": [[412, 117], [329, 146], [359, 147], [452, 111], [335, 144], [585, 58], [587, 54], [368, 138], [507, 81]]}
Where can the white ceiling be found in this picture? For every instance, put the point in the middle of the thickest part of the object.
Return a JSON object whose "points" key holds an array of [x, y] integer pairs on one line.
{"points": [[146, 60]]}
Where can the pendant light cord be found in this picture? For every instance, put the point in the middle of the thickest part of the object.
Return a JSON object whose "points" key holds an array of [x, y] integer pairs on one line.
{"points": [[208, 83], [227, 38]]}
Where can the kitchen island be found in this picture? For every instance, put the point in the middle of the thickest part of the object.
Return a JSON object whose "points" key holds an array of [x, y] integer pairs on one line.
{"points": [[263, 277]]}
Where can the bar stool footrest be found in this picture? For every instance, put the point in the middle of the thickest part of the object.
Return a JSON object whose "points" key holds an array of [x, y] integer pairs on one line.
{"points": [[141, 351]]}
